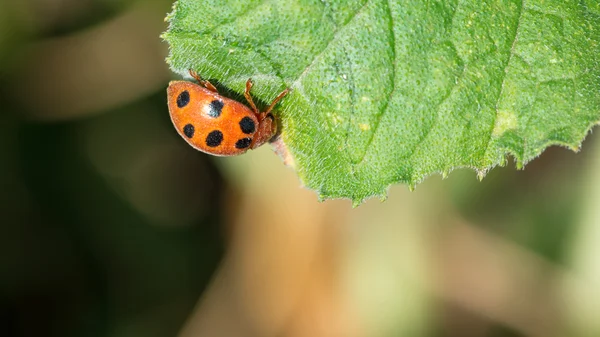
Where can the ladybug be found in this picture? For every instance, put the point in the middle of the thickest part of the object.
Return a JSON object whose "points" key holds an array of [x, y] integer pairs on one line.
{"points": [[215, 124]]}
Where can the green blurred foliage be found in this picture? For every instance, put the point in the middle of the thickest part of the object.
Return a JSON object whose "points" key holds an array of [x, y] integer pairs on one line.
{"points": [[86, 249]]}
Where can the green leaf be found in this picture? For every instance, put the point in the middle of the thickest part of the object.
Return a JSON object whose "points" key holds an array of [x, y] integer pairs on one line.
{"points": [[394, 91]]}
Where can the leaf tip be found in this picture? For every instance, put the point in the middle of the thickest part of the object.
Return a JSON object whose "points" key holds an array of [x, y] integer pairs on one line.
{"points": [[481, 174], [445, 174], [502, 162], [519, 164], [575, 148]]}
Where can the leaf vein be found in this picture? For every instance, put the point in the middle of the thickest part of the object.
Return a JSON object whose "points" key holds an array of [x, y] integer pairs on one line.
{"points": [[331, 40], [237, 17], [384, 108], [503, 81]]}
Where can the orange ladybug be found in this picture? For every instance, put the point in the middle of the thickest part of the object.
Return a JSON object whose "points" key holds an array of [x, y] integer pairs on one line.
{"points": [[217, 125]]}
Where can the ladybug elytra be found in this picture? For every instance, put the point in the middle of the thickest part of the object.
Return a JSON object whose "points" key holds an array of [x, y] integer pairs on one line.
{"points": [[215, 124]]}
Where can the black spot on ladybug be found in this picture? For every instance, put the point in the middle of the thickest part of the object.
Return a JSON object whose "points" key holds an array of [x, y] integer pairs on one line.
{"points": [[247, 125], [188, 130], [243, 143], [183, 99], [214, 138], [215, 108]]}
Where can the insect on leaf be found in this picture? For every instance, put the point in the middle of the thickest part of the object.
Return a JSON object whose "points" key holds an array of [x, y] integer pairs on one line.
{"points": [[393, 91]]}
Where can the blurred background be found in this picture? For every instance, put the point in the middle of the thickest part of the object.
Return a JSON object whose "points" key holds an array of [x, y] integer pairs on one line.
{"points": [[111, 225]]}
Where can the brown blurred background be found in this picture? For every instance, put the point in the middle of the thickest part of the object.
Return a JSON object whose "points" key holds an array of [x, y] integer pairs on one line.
{"points": [[111, 225]]}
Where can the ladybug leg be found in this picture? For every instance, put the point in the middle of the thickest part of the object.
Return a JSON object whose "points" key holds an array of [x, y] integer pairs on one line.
{"points": [[267, 128], [248, 97], [276, 100], [202, 82]]}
